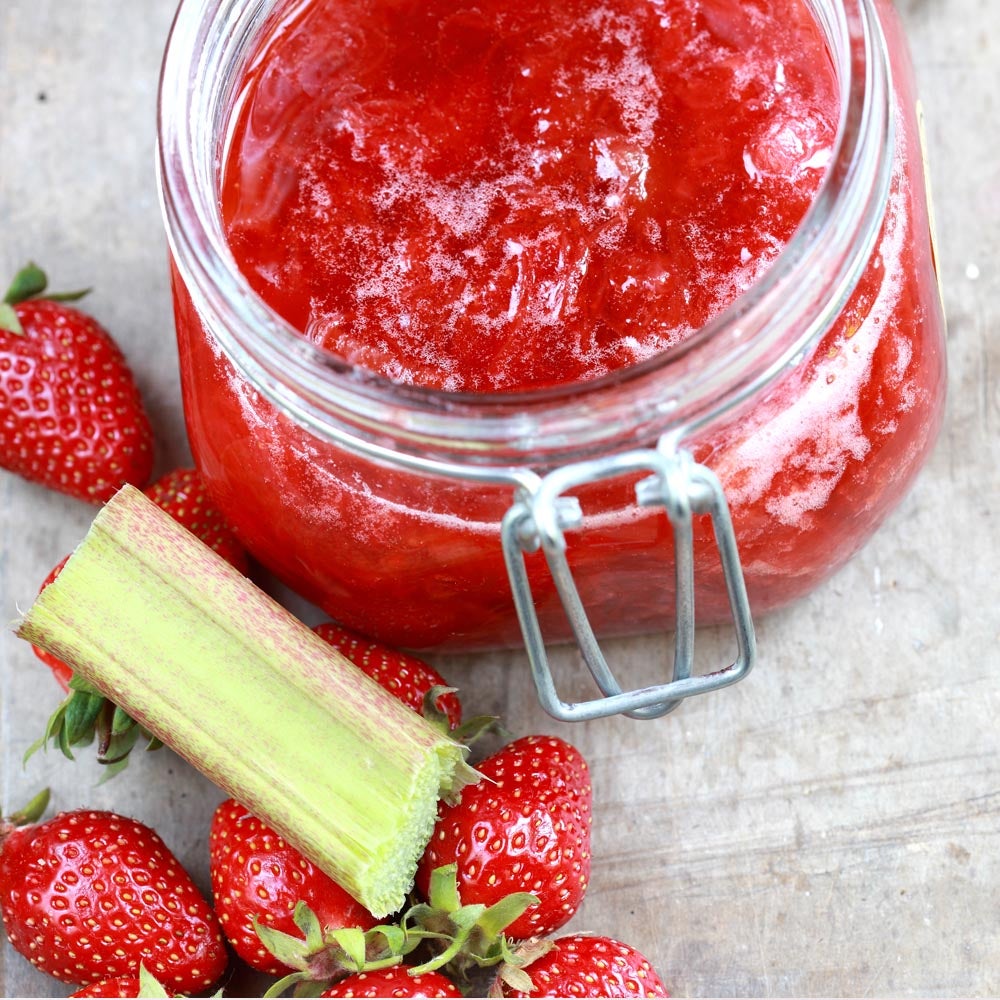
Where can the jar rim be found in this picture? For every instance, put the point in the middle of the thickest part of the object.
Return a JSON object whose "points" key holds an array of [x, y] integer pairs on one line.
{"points": [[740, 351]]}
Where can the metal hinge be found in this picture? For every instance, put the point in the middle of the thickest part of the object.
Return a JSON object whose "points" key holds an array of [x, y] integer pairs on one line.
{"points": [[540, 517]]}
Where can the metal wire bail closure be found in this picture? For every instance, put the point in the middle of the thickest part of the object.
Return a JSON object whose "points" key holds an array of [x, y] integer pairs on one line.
{"points": [[540, 517]]}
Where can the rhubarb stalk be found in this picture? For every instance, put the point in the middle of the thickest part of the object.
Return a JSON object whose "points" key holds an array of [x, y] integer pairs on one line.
{"points": [[250, 696]]}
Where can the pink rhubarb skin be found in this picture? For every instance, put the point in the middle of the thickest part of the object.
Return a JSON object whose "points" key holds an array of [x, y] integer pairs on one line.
{"points": [[515, 196]]}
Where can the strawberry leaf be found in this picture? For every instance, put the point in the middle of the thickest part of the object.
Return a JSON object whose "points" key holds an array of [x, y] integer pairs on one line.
{"points": [[309, 988], [396, 944], [62, 739], [112, 769], [309, 924], [32, 811], [352, 941], [149, 986], [444, 888], [118, 747], [73, 296], [82, 712], [28, 283], [474, 729], [503, 914], [289, 950], [517, 979], [121, 722], [292, 979], [9, 320]]}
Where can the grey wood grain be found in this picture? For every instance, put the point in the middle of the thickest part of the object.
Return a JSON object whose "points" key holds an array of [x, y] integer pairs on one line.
{"points": [[829, 827]]}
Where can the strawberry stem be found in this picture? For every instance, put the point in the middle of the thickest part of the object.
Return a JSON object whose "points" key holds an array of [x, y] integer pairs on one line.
{"points": [[30, 283], [463, 936], [32, 812]]}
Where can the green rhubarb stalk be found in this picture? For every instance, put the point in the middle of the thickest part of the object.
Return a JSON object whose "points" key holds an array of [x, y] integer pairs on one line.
{"points": [[236, 685]]}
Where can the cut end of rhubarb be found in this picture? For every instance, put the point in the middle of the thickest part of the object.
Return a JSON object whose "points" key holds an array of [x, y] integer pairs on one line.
{"points": [[218, 671], [398, 860]]}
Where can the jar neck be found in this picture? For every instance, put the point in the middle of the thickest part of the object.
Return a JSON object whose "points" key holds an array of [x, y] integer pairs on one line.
{"points": [[745, 348]]}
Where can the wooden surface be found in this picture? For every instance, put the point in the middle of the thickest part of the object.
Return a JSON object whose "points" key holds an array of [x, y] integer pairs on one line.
{"points": [[829, 827]]}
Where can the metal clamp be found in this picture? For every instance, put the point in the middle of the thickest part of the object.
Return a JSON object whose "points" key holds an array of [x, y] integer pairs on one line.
{"points": [[540, 517]]}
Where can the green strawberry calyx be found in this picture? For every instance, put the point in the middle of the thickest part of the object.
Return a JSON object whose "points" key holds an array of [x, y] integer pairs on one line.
{"points": [[325, 955], [468, 732], [465, 936], [85, 715], [514, 974], [30, 283], [454, 937], [149, 985], [27, 814]]}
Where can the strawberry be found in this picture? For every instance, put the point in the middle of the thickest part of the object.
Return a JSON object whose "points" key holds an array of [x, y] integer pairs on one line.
{"points": [[182, 494], [408, 678], [91, 895], [395, 981], [526, 828], [256, 875], [580, 966], [119, 986], [71, 417], [142, 985]]}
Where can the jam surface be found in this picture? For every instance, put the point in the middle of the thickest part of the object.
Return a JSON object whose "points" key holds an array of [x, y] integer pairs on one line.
{"points": [[519, 193]]}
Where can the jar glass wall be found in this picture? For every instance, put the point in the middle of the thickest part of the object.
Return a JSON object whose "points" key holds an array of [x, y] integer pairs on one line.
{"points": [[814, 397]]}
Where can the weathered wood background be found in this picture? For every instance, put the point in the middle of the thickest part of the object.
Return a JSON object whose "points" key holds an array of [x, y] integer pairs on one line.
{"points": [[829, 827]]}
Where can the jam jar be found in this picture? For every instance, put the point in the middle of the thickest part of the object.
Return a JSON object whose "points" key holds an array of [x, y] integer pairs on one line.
{"points": [[520, 322]]}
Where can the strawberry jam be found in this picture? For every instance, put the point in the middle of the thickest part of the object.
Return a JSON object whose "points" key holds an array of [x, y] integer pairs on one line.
{"points": [[519, 195]]}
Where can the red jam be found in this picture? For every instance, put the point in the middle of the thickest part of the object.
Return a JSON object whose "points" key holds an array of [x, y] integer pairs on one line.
{"points": [[520, 194]]}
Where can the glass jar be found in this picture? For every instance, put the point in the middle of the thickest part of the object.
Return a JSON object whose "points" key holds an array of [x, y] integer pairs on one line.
{"points": [[813, 399]]}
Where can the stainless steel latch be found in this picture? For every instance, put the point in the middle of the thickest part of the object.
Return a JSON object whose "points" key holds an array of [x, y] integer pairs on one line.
{"points": [[541, 516]]}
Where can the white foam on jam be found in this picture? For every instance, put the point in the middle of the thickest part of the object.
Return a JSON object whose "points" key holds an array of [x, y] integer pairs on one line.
{"points": [[815, 428], [543, 279], [631, 82]]}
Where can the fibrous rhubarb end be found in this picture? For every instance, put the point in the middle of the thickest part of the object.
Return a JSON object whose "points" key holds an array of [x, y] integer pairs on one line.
{"points": [[213, 667]]}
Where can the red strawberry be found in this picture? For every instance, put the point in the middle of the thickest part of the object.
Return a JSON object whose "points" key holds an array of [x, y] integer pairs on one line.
{"points": [[395, 981], [71, 417], [142, 985], [582, 966], [525, 828], [61, 671], [255, 873], [120, 986], [182, 494], [88, 896], [408, 678]]}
